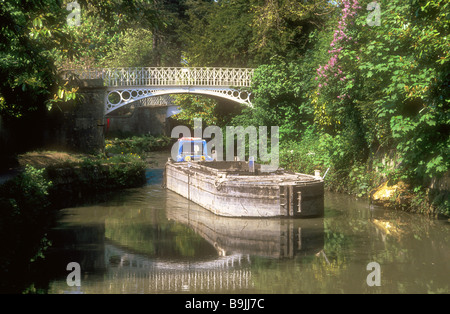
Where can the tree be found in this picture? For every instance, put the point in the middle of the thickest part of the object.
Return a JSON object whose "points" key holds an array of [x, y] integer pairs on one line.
{"points": [[217, 33], [167, 42], [36, 42], [244, 33], [195, 107], [133, 48], [284, 27], [30, 30], [281, 90], [386, 83]]}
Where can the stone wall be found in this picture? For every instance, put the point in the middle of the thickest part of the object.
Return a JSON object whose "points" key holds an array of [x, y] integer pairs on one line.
{"points": [[80, 126], [142, 120], [441, 184]]}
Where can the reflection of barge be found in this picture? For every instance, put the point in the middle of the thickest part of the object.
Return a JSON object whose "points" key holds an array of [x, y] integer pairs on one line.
{"points": [[273, 238], [228, 188]]}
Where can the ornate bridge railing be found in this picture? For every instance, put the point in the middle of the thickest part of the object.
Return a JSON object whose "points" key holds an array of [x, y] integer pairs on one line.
{"points": [[127, 85], [147, 76]]}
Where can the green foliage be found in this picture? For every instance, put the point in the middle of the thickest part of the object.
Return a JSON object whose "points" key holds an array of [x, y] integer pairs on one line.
{"points": [[406, 66], [136, 145], [133, 48], [97, 174], [387, 92], [195, 107], [284, 28], [29, 33], [321, 151], [126, 171], [242, 33], [108, 29], [281, 90], [36, 42], [24, 216], [217, 33], [25, 195]]}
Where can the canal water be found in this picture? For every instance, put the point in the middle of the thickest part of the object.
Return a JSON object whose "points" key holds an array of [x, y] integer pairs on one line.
{"points": [[151, 240]]}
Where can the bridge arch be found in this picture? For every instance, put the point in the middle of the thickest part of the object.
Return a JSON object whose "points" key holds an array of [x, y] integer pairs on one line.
{"points": [[127, 85], [119, 97]]}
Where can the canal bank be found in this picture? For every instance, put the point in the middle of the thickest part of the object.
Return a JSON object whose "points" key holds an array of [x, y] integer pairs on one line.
{"points": [[378, 180], [32, 195]]}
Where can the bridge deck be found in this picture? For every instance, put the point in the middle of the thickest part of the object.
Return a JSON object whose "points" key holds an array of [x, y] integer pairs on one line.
{"points": [[166, 76]]}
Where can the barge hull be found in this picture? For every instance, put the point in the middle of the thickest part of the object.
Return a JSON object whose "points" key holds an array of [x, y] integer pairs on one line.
{"points": [[230, 190]]}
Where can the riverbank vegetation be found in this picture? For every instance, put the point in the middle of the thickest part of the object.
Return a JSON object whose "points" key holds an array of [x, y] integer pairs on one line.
{"points": [[137, 145], [358, 88], [362, 93], [25, 218], [49, 181]]}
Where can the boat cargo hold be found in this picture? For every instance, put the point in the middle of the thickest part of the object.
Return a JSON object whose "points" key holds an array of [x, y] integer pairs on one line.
{"points": [[230, 188]]}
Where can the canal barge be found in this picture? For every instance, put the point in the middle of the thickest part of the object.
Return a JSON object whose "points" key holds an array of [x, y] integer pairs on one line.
{"points": [[241, 189]]}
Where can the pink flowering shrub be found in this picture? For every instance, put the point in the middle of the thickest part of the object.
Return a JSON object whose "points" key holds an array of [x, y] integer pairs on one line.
{"points": [[340, 37]]}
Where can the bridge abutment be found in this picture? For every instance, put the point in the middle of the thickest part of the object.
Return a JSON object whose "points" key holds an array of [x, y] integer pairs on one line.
{"points": [[83, 123]]}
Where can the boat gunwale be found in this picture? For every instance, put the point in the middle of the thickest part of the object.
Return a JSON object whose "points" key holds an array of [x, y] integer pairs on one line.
{"points": [[238, 179]]}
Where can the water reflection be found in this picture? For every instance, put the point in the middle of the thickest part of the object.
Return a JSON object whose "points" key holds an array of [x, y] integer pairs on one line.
{"points": [[276, 238], [151, 240]]}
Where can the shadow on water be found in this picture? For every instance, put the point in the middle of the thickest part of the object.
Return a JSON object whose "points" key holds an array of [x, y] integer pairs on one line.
{"points": [[154, 176]]}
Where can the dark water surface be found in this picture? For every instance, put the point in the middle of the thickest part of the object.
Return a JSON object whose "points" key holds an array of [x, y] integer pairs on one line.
{"points": [[151, 240]]}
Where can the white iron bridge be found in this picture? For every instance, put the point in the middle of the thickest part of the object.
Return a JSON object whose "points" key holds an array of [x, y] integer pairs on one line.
{"points": [[127, 85]]}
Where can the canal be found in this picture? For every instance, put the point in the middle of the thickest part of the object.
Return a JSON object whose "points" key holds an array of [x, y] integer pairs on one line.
{"points": [[151, 240]]}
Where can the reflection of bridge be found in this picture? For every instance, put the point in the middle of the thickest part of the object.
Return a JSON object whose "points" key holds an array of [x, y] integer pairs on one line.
{"points": [[220, 274], [127, 85]]}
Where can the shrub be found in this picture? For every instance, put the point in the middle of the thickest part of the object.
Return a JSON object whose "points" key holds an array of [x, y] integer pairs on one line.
{"points": [[24, 216], [27, 194], [137, 145]]}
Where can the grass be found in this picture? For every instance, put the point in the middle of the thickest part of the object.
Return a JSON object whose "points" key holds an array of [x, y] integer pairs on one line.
{"points": [[43, 159]]}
